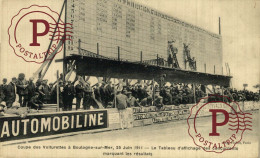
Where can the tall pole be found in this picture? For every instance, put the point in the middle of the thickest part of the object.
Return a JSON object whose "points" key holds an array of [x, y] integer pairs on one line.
{"points": [[79, 45], [194, 93], [115, 92], [118, 49], [64, 52], [46, 55], [141, 57], [58, 92], [98, 49], [153, 91], [219, 25]]}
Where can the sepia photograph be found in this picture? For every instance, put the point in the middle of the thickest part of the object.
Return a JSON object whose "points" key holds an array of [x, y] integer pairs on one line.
{"points": [[129, 78]]}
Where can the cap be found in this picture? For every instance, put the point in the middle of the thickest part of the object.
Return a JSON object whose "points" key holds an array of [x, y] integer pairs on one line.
{"points": [[3, 104], [89, 90]]}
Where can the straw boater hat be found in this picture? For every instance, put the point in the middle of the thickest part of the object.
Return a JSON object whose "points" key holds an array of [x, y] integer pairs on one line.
{"points": [[128, 92], [3, 104]]}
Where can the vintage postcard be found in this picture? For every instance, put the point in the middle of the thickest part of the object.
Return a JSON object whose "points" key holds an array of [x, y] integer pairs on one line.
{"points": [[129, 78]]}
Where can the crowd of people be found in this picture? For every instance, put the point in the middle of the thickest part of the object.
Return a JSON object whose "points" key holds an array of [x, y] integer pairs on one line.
{"points": [[106, 94]]}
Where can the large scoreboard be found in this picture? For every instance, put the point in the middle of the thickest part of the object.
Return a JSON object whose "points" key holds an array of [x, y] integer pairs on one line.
{"points": [[136, 28]]}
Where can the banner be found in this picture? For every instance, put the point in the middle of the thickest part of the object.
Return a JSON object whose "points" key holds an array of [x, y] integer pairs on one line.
{"points": [[13, 128]]}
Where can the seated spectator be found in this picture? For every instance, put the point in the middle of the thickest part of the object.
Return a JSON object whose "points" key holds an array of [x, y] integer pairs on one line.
{"points": [[147, 101], [167, 99], [158, 101], [35, 102], [131, 100]]}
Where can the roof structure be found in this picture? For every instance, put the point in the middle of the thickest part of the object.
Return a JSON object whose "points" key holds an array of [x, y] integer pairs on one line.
{"points": [[113, 68]]}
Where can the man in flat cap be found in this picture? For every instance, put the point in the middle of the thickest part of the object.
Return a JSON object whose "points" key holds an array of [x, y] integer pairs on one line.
{"points": [[11, 93], [68, 94]]}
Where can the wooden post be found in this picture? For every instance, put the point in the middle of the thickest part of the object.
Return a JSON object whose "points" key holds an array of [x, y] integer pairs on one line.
{"points": [[115, 92], [219, 26], [205, 68], [79, 46], [194, 93], [153, 91], [157, 60], [58, 92], [97, 48], [141, 57], [222, 89], [118, 53], [214, 69]]}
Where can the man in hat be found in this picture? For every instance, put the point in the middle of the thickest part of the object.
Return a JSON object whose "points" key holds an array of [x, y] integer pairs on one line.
{"points": [[11, 93], [121, 101], [173, 51], [31, 88], [141, 93], [167, 99], [39, 89], [46, 91], [134, 91], [2, 95], [131, 100], [79, 91], [158, 101], [109, 93], [88, 99], [3, 86], [147, 101], [35, 102], [68, 94], [22, 90], [103, 94]]}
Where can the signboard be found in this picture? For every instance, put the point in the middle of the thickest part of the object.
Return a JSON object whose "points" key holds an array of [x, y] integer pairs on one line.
{"points": [[135, 28], [13, 128]]}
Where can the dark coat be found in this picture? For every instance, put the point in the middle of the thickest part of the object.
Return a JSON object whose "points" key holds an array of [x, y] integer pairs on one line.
{"points": [[79, 91], [31, 89], [97, 94], [20, 89], [10, 92], [167, 99], [2, 95], [69, 91]]}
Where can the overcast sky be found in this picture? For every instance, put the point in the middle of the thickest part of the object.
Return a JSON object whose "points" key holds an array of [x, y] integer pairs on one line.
{"points": [[240, 33]]}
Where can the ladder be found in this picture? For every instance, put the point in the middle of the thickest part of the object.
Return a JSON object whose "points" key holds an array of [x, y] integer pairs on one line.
{"points": [[192, 63], [174, 51]]}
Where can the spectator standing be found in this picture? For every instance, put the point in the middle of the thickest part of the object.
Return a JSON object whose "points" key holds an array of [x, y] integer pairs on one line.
{"points": [[68, 95], [30, 88], [22, 90], [131, 100], [11, 93], [79, 91]]}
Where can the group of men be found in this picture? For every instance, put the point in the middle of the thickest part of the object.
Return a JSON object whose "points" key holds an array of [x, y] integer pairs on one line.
{"points": [[29, 94], [103, 95]]}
